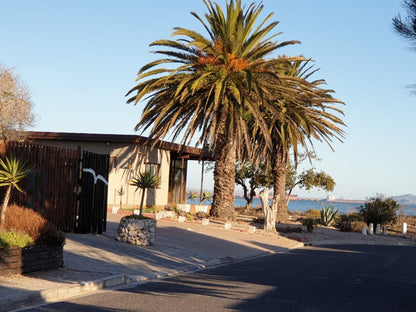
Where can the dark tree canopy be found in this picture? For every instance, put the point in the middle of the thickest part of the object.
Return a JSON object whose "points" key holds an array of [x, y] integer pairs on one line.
{"points": [[406, 26]]}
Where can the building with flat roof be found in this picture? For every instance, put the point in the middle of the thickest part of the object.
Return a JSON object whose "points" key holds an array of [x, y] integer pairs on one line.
{"points": [[129, 155]]}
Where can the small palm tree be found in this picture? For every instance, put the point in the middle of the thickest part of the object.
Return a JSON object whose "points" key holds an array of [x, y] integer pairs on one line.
{"points": [[12, 171], [193, 196], [145, 181], [206, 197]]}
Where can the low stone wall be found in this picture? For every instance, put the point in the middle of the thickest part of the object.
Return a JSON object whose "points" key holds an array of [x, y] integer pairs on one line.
{"points": [[137, 232], [24, 260]]}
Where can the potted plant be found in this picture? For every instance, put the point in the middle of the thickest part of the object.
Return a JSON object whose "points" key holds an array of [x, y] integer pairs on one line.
{"points": [[138, 229], [25, 236], [206, 196], [28, 242]]}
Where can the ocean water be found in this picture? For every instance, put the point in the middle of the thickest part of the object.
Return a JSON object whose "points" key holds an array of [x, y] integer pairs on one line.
{"points": [[304, 205]]}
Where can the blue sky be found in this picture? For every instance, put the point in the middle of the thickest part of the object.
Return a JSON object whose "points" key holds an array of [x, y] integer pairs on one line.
{"points": [[79, 58]]}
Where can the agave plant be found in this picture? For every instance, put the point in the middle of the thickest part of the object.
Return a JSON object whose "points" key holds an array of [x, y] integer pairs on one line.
{"points": [[12, 171], [144, 181], [328, 215]]}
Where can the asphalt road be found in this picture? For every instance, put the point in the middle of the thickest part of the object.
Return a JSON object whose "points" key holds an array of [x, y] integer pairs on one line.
{"points": [[335, 278]]}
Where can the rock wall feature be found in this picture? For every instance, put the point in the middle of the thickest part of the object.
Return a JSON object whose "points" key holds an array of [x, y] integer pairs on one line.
{"points": [[137, 232]]}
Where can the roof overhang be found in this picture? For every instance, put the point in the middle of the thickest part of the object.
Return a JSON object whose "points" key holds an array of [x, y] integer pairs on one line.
{"points": [[188, 152]]}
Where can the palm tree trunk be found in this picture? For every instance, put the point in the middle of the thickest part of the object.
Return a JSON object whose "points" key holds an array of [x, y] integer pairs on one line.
{"points": [[141, 202], [268, 211], [224, 179], [5, 204], [280, 159]]}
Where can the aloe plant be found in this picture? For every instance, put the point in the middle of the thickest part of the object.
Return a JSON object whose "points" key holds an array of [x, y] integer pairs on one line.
{"points": [[12, 171], [328, 215], [144, 181]]}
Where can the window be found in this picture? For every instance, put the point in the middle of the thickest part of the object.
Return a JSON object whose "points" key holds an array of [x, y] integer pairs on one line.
{"points": [[153, 169]]}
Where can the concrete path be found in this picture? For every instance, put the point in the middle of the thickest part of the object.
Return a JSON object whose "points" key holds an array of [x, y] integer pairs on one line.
{"points": [[93, 262]]}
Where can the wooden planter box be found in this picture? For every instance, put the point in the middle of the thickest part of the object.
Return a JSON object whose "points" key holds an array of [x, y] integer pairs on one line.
{"points": [[24, 260]]}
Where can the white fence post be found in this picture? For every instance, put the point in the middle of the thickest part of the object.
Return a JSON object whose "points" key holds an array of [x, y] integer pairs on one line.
{"points": [[364, 230], [404, 228], [371, 229], [378, 228]]}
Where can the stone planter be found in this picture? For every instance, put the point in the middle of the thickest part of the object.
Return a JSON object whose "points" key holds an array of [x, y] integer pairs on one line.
{"points": [[29, 259], [137, 232]]}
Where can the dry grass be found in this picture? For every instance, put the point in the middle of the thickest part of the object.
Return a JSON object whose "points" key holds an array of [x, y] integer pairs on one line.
{"points": [[27, 221]]}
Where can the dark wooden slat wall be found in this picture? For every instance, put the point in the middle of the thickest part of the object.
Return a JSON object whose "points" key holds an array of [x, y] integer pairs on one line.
{"points": [[50, 188], [54, 188]]}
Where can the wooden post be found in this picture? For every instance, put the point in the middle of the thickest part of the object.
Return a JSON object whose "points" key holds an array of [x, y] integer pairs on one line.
{"points": [[202, 183]]}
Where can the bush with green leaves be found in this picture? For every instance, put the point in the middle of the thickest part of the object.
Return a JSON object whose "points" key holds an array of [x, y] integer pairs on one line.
{"points": [[379, 210], [313, 214], [151, 209], [327, 215], [14, 239], [309, 223], [357, 226], [202, 215], [345, 221], [137, 217]]}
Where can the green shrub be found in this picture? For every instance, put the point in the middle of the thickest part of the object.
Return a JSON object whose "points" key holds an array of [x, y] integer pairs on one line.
{"points": [[344, 226], [151, 209], [189, 217], [176, 209], [14, 239], [137, 217], [313, 214], [344, 221], [327, 215], [351, 217], [309, 223], [202, 215], [379, 209]]}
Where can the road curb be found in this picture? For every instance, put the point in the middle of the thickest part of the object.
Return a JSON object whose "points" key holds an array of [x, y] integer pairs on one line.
{"points": [[67, 292], [61, 293]]}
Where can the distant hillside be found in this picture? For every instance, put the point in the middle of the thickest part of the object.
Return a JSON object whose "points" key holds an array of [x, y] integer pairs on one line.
{"points": [[408, 199]]}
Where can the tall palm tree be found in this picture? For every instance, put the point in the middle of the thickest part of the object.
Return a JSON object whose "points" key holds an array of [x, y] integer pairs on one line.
{"points": [[12, 172], [311, 115], [210, 85]]}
